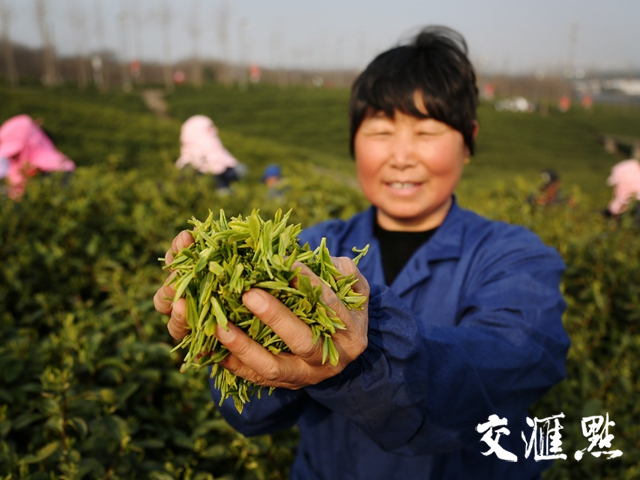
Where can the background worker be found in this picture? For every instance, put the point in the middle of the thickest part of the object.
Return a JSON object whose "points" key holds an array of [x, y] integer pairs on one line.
{"points": [[28, 151], [201, 148], [625, 180]]}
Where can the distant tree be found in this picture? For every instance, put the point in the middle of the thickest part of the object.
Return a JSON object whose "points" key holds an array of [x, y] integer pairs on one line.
{"points": [[79, 25], [166, 37], [10, 61], [194, 29], [50, 77]]}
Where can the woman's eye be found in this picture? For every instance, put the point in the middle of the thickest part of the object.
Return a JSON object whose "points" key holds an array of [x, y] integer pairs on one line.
{"points": [[379, 133]]}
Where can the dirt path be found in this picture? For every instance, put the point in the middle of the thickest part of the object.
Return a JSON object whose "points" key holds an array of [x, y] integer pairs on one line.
{"points": [[154, 100]]}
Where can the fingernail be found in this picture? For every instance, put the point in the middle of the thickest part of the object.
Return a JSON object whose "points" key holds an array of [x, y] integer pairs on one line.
{"points": [[256, 300], [225, 334]]}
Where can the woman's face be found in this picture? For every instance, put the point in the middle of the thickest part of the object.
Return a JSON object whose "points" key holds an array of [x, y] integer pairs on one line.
{"points": [[408, 168]]}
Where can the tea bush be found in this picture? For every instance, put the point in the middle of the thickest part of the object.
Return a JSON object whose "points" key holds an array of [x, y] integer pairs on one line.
{"points": [[88, 388], [603, 294]]}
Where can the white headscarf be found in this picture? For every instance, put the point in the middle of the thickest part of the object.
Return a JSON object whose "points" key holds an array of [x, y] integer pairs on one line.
{"points": [[201, 147], [625, 180]]}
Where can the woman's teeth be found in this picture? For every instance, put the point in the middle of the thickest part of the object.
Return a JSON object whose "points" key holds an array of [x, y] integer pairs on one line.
{"points": [[402, 185]]}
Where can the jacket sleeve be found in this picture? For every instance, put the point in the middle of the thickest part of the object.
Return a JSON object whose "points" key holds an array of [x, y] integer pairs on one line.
{"points": [[422, 389]]}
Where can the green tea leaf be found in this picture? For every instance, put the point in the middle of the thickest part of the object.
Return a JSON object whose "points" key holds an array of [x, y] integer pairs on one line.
{"points": [[231, 257]]}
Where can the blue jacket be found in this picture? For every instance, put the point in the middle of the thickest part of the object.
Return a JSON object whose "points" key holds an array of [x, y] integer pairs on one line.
{"points": [[470, 327]]}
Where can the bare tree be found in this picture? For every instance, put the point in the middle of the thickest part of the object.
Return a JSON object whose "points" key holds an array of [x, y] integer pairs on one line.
{"points": [[100, 67], [78, 22], [194, 28], [278, 58], [137, 26], [223, 38], [243, 55], [124, 50], [49, 55], [166, 37], [274, 46], [12, 70]]}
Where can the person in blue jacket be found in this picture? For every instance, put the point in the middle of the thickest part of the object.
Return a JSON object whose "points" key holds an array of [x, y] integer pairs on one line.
{"points": [[463, 320]]}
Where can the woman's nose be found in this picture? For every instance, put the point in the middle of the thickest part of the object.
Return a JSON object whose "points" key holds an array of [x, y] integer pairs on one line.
{"points": [[403, 152]]}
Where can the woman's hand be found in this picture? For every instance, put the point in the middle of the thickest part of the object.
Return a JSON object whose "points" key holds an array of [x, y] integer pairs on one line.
{"points": [[163, 299], [303, 366], [250, 360]]}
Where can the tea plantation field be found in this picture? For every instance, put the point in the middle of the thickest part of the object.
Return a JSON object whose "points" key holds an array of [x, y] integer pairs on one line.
{"points": [[312, 124], [88, 386]]}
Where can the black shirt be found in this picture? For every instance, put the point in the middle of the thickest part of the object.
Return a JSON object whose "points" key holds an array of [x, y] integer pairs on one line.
{"points": [[396, 248]]}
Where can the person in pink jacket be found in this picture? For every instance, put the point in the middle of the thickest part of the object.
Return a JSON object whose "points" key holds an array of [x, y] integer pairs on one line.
{"points": [[202, 149], [27, 151], [625, 180]]}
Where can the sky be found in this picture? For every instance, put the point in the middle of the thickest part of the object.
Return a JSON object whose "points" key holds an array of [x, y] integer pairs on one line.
{"points": [[508, 36]]}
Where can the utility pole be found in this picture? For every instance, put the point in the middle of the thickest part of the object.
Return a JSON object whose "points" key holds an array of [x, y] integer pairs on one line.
{"points": [[571, 53], [12, 70], [49, 78]]}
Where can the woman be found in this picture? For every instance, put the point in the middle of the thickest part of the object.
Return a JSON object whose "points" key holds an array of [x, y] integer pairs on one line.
{"points": [[202, 149], [463, 317], [625, 180], [28, 151]]}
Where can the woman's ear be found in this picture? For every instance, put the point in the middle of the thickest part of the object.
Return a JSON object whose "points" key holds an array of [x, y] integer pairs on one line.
{"points": [[476, 127]]}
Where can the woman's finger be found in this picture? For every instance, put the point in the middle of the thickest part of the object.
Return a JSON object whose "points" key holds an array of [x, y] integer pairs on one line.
{"points": [[251, 354], [163, 299], [182, 240], [346, 267], [328, 296], [234, 365], [273, 313], [177, 325]]}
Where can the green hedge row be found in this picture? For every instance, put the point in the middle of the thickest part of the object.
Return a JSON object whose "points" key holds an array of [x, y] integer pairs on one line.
{"points": [[89, 388], [602, 291]]}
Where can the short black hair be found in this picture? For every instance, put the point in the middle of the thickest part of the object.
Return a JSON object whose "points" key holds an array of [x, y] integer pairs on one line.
{"points": [[434, 63]]}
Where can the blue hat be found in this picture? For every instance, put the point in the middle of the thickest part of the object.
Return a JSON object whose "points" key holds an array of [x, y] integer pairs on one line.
{"points": [[272, 170]]}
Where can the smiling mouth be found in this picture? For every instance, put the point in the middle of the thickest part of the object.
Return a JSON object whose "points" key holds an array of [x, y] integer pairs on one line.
{"points": [[402, 185]]}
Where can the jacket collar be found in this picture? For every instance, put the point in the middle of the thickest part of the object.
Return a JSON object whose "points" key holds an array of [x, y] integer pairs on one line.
{"points": [[446, 244]]}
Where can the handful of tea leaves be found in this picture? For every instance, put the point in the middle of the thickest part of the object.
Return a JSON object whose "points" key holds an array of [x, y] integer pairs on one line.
{"points": [[230, 257]]}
